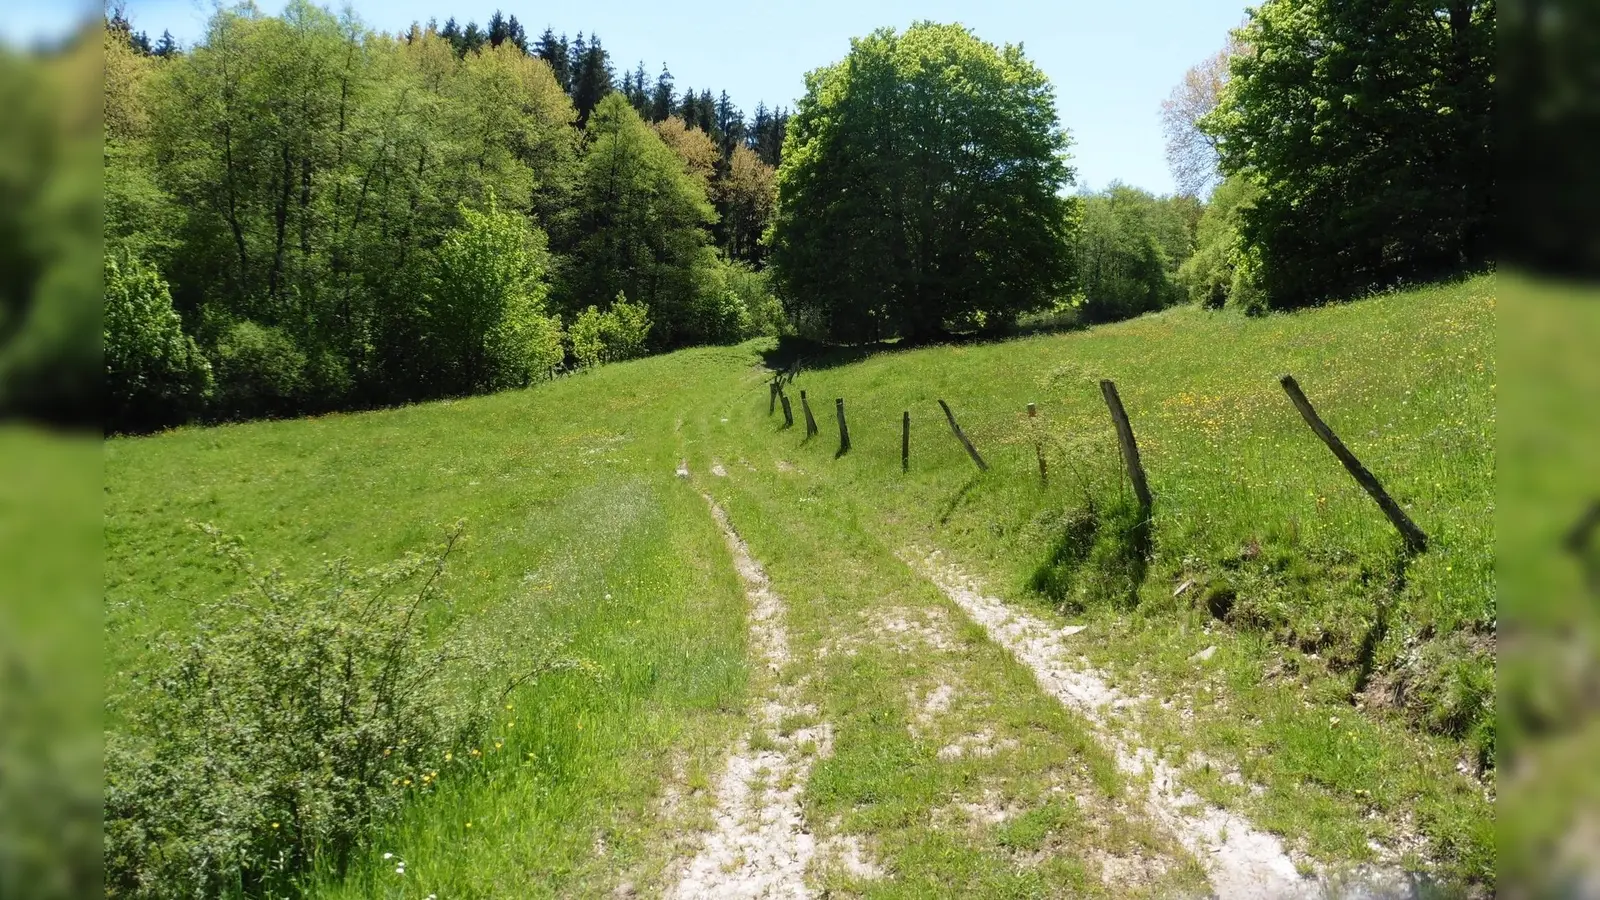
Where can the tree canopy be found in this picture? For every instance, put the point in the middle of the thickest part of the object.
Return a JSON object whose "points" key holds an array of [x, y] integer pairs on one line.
{"points": [[921, 188], [1365, 127]]}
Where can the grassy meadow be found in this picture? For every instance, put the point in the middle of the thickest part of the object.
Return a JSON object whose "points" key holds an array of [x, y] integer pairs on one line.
{"points": [[1351, 686]]}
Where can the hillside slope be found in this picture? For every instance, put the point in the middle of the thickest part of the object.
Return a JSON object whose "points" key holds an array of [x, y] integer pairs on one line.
{"points": [[1345, 710]]}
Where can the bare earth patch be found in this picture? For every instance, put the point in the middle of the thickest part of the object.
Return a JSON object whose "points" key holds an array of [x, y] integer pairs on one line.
{"points": [[759, 845], [1240, 860]]}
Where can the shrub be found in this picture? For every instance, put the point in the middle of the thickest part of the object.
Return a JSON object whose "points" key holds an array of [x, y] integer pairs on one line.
{"points": [[486, 325], [260, 371], [155, 375], [614, 335], [301, 714]]}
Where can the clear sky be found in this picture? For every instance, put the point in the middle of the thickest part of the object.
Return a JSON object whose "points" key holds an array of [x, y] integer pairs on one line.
{"points": [[1112, 61]]}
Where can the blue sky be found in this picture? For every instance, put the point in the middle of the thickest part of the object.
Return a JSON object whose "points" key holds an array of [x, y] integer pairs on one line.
{"points": [[1112, 63]]}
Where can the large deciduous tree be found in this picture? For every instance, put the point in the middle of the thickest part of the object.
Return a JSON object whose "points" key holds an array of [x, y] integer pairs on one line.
{"points": [[1191, 151], [921, 188], [1365, 125]]}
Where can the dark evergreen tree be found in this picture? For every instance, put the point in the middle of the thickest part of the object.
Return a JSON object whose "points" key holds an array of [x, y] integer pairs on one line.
{"points": [[591, 80], [688, 109], [730, 126], [166, 47], [516, 35], [638, 94], [661, 100], [498, 33], [452, 34], [473, 39], [555, 53]]}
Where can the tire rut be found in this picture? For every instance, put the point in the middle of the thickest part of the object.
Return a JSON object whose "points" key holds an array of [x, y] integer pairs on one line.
{"points": [[760, 845]]}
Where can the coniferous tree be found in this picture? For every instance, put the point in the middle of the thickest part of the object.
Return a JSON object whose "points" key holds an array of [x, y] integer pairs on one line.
{"points": [[689, 109], [472, 39], [639, 95], [555, 53], [516, 35], [592, 80], [498, 32], [661, 100], [167, 47], [452, 34], [730, 126]]}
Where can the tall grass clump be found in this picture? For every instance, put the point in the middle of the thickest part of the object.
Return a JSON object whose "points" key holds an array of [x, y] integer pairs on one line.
{"points": [[296, 716]]}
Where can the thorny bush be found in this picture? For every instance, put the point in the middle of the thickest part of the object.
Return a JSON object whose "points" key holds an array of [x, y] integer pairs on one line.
{"points": [[299, 715]]}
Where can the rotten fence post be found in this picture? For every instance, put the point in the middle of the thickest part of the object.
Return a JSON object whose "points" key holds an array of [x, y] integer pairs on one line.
{"points": [[844, 430], [1038, 447], [788, 411], [1130, 448], [971, 450], [811, 421], [1416, 541]]}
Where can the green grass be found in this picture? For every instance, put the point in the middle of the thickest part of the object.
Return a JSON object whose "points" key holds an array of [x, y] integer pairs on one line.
{"points": [[569, 495]]}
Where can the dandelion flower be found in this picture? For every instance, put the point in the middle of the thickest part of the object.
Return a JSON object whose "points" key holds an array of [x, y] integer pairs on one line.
{"points": [[449, 756], [274, 826], [469, 824]]}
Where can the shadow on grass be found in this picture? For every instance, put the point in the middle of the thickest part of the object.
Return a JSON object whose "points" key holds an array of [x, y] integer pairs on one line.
{"points": [[813, 354], [1366, 654], [1100, 555]]}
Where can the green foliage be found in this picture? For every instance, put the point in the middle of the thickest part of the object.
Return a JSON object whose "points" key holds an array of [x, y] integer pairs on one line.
{"points": [[155, 375], [50, 234], [275, 736], [485, 325], [259, 371], [1207, 277], [1129, 245], [618, 333], [1366, 128], [643, 220], [920, 185]]}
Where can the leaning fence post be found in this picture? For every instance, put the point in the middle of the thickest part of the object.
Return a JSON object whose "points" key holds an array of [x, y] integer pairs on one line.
{"points": [[811, 421], [905, 441], [788, 411], [1038, 448], [844, 430], [772, 396], [1416, 540], [971, 450], [1130, 448]]}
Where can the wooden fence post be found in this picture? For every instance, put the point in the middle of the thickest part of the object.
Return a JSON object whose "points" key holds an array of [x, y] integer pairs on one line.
{"points": [[905, 441], [1038, 447], [1130, 448], [971, 450], [844, 430], [772, 398], [1416, 541], [788, 411], [811, 421]]}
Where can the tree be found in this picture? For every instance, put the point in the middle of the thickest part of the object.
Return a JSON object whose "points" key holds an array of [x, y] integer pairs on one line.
{"points": [[498, 32], [745, 197], [661, 99], [591, 76], [1191, 152], [642, 218], [1366, 129], [485, 309], [1129, 245], [920, 189], [1209, 276], [167, 47], [556, 54], [699, 155], [155, 374]]}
